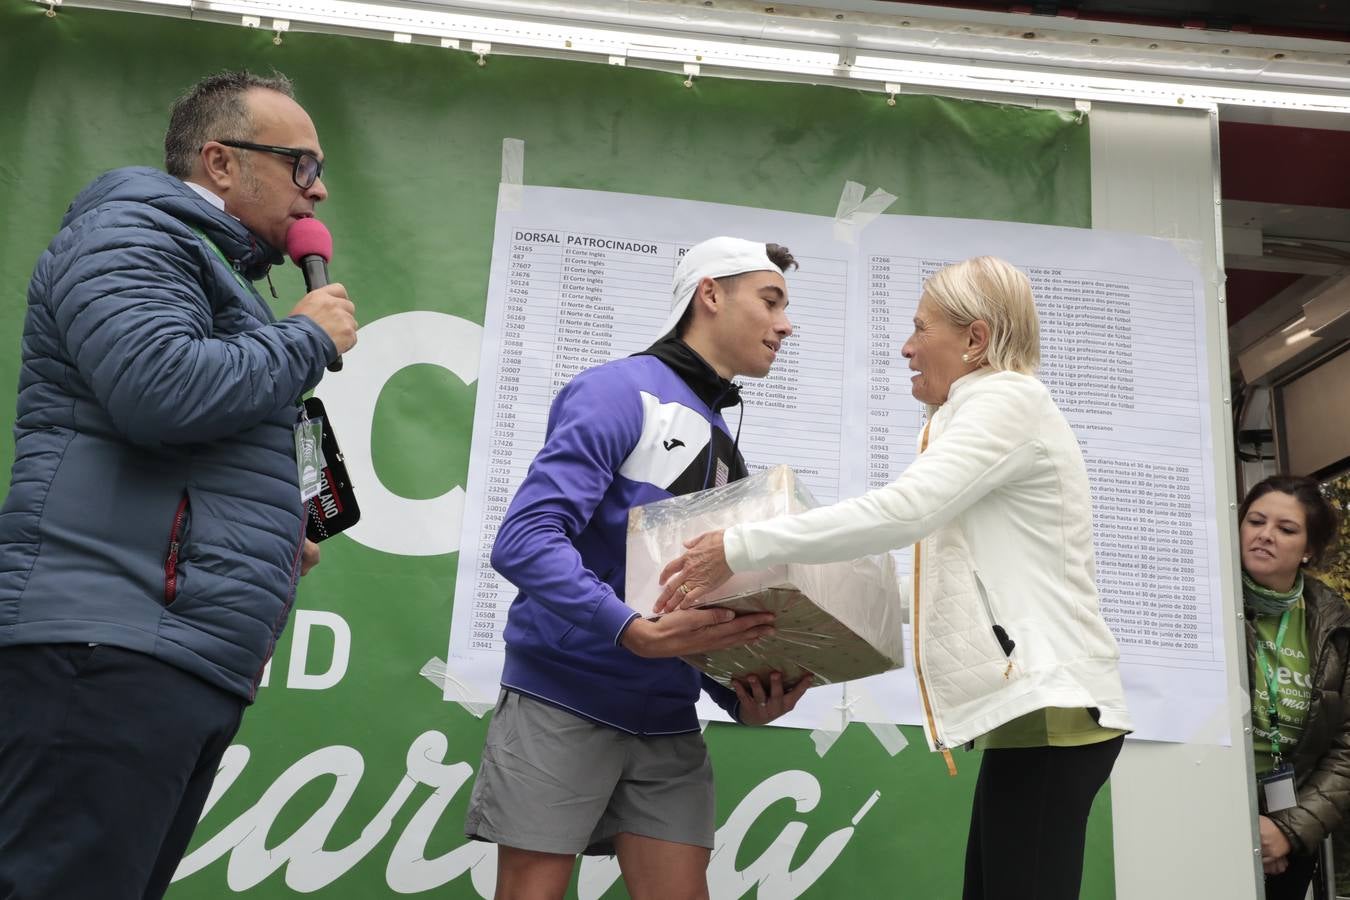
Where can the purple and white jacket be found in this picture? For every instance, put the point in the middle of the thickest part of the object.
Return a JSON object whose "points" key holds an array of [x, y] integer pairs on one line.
{"points": [[619, 435]]}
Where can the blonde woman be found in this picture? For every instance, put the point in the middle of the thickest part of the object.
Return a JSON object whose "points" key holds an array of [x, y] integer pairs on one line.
{"points": [[1011, 653]]}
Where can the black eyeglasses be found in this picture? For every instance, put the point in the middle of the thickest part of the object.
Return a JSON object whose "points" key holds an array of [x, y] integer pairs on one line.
{"points": [[308, 167]]}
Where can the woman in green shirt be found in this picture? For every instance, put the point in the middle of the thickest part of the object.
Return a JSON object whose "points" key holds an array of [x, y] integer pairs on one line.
{"points": [[1298, 645]]}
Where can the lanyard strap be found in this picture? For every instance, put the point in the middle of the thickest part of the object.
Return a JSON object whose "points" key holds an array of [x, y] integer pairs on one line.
{"points": [[1272, 682], [243, 283]]}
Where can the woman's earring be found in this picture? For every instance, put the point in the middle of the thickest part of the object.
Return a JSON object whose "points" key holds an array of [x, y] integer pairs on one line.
{"points": [[965, 357], [1305, 560]]}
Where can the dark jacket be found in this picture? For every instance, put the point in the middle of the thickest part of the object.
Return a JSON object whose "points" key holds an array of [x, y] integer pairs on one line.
{"points": [[620, 435], [154, 503], [1322, 758]]}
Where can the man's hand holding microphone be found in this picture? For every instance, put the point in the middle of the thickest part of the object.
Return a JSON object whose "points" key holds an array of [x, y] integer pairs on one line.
{"points": [[330, 309], [310, 247]]}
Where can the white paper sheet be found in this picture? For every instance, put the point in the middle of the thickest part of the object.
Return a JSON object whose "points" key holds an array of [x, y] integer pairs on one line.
{"points": [[582, 277], [1123, 354]]}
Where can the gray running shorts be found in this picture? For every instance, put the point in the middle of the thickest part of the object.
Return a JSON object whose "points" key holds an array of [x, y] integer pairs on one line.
{"points": [[553, 782]]}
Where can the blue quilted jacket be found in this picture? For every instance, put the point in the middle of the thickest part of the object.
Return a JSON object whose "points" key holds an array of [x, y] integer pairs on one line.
{"points": [[153, 503]]}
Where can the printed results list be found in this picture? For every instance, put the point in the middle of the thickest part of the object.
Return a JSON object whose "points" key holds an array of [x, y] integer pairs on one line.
{"points": [[1119, 358]]}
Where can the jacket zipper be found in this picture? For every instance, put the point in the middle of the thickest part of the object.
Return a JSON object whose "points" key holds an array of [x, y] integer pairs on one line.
{"points": [[280, 623], [290, 600], [171, 561], [1316, 680], [711, 466], [918, 664], [1005, 643]]}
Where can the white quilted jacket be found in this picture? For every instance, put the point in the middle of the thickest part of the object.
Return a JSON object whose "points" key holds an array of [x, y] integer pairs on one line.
{"points": [[999, 508]]}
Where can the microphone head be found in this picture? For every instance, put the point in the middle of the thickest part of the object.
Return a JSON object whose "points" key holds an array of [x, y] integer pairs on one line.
{"points": [[308, 237]]}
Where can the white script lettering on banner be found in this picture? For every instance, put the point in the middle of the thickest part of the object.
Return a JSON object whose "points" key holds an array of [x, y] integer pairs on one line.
{"points": [[255, 854]]}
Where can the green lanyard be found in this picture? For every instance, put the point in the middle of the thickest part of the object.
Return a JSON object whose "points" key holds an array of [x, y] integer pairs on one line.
{"points": [[1273, 684], [216, 250]]}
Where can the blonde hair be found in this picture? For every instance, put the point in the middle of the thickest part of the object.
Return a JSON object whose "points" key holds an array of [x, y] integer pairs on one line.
{"points": [[997, 292]]}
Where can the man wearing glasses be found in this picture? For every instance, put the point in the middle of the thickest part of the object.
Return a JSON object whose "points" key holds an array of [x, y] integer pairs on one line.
{"points": [[153, 533]]}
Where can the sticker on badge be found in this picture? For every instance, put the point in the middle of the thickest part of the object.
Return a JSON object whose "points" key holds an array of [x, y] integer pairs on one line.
{"points": [[309, 460], [1277, 789]]}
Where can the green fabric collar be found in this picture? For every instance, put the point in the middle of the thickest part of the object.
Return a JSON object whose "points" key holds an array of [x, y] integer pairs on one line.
{"points": [[1266, 602]]}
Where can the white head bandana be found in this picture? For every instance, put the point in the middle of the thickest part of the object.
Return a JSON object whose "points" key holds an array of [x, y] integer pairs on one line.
{"points": [[718, 257]]}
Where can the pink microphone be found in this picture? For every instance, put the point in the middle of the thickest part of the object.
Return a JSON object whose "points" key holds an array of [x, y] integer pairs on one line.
{"points": [[310, 246]]}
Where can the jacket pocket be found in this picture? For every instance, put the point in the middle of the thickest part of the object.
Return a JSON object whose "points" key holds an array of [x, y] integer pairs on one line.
{"points": [[177, 533], [1005, 641]]}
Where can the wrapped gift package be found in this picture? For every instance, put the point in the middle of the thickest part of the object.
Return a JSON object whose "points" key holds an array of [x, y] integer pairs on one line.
{"points": [[837, 621]]}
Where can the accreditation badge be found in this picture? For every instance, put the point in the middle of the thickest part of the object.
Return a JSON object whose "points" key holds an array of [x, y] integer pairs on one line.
{"points": [[1277, 789], [330, 501]]}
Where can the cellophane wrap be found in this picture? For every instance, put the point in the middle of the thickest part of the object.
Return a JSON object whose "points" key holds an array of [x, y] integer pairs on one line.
{"points": [[838, 621]]}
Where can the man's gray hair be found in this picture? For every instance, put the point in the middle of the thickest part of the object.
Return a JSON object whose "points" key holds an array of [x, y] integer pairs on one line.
{"points": [[213, 109]]}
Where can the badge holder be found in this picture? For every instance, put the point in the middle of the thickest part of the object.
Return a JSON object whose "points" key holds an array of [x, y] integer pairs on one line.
{"points": [[1277, 789], [325, 488]]}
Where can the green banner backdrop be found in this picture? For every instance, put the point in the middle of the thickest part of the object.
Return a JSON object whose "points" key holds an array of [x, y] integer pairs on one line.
{"points": [[357, 789]]}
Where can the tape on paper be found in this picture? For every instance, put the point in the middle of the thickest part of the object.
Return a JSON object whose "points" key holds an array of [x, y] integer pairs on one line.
{"points": [[511, 193], [854, 213]]}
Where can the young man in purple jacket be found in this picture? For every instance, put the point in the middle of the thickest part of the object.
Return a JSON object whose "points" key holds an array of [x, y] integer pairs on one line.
{"points": [[595, 745]]}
